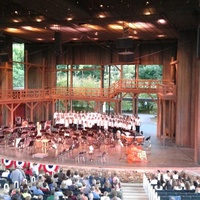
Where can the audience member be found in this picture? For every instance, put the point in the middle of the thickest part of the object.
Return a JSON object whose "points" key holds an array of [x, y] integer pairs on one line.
{"points": [[71, 196], [16, 195], [17, 176], [58, 192], [61, 175], [197, 190], [37, 190], [26, 193], [35, 170], [45, 188], [93, 194], [105, 196], [5, 195], [29, 173]]}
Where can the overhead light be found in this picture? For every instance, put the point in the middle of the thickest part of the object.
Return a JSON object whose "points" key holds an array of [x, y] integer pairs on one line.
{"points": [[16, 20], [162, 21], [39, 39], [140, 25], [69, 18], [75, 39], [147, 12], [31, 28], [116, 26], [13, 30], [102, 16], [55, 27], [161, 36], [38, 20]]}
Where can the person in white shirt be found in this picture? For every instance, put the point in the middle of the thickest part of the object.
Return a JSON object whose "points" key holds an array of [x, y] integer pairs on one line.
{"points": [[137, 124], [166, 176], [175, 176], [105, 196]]}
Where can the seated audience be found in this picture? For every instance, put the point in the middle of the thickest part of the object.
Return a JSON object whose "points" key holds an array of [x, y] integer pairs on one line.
{"points": [[45, 188], [58, 192], [197, 190], [105, 196], [29, 173], [37, 191], [26, 193], [5, 195]]}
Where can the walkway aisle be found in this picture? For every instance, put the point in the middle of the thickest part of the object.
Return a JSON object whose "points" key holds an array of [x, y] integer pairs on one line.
{"points": [[133, 191]]}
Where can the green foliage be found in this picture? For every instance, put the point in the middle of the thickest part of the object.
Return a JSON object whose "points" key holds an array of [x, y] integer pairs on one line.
{"points": [[86, 82], [128, 71], [87, 73], [127, 106], [150, 72], [18, 69]]}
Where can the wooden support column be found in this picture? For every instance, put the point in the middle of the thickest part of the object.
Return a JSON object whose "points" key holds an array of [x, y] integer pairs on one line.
{"points": [[170, 118], [47, 110], [159, 114], [43, 73], [31, 106], [71, 85], [164, 122], [53, 106], [136, 105], [197, 114], [11, 108], [186, 88]]}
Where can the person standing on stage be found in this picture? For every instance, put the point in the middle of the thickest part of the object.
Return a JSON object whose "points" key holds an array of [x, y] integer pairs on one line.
{"points": [[137, 124]]}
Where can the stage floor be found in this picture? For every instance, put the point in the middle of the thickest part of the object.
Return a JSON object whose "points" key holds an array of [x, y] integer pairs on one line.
{"points": [[167, 156]]}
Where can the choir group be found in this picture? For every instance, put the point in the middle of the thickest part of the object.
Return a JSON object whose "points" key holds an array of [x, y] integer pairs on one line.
{"points": [[89, 120]]}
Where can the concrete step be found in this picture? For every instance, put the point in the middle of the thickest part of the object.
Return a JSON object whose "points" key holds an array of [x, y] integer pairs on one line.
{"points": [[133, 191], [132, 184], [135, 198]]}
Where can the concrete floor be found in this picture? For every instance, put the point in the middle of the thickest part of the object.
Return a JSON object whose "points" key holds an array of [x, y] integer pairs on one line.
{"points": [[159, 156]]}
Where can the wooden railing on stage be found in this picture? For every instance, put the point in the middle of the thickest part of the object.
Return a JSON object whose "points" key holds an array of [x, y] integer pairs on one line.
{"points": [[164, 89]]}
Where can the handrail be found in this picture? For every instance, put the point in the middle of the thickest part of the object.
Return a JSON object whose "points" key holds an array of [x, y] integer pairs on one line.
{"points": [[149, 190], [156, 86], [167, 89]]}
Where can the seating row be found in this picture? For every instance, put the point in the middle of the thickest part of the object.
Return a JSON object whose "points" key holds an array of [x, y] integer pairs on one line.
{"points": [[188, 197]]}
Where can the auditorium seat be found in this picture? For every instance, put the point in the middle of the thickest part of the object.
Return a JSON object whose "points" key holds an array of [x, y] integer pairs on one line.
{"points": [[186, 197], [31, 146], [174, 197], [195, 198]]}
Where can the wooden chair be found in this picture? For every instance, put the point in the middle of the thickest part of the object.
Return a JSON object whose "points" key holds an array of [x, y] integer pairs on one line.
{"points": [[31, 146], [81, 157], [102, 157]]}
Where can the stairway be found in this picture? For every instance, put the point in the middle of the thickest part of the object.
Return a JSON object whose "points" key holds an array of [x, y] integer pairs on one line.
{"points": [[133, 191]]}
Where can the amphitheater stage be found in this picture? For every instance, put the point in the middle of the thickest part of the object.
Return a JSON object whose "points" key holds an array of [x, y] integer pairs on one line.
{"points": [[159, 156]]}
